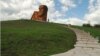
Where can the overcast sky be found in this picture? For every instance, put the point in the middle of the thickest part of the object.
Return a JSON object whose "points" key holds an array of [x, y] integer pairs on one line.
{"points": [[75, 12]]}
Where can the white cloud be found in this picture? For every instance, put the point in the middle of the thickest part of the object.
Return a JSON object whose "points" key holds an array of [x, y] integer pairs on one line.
{"points": [[67, 3], [72, 21], [15, 9], [75, 21], [59, 16], [93, 16]]}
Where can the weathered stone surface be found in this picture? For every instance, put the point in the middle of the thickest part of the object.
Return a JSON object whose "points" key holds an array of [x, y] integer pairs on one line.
{"points": [[40, 15]]}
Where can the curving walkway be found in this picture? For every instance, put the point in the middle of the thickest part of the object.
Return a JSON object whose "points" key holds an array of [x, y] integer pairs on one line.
{"points": [[86, 45]]}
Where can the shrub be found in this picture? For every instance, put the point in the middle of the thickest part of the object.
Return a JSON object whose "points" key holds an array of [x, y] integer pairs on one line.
{"points": [[97, 26], [86, 25]]}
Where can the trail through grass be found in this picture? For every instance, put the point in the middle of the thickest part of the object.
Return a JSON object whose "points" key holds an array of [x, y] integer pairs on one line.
{"points": [[95, 32]]}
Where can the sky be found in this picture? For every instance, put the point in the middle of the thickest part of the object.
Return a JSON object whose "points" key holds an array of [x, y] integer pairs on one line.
{"points": [[75, 12]]}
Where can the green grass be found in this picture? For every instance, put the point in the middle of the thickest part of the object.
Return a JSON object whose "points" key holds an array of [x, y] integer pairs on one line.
{"points": [[95, 32], [32, 38]]}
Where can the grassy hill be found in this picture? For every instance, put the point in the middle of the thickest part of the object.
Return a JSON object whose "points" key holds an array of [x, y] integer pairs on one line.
{"points": [[32, 38], [94, 31]]}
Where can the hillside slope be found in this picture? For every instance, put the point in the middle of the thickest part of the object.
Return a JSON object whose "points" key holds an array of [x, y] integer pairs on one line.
{"points": [[32, 38]]}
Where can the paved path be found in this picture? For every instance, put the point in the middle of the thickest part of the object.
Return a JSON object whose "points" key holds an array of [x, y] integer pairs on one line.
{"points": [[86, 45]]}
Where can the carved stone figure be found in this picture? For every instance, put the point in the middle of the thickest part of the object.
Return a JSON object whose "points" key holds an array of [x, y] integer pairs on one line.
{"points": [[40, 15]]}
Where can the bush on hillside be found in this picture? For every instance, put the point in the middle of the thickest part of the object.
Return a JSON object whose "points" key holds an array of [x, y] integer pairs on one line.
{"points": [[97, 26], [86, 25]]}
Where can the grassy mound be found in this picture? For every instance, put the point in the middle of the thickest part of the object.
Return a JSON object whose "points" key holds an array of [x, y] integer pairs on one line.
{"points": [[31, 38], [94, 31]]}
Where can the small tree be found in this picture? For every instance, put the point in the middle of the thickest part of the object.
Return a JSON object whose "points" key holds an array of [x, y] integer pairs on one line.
{"points": [[86, 25], [97, 26]]}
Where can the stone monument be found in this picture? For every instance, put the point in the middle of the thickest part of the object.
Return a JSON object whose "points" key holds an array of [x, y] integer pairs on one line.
{"points": [[40, 15]]}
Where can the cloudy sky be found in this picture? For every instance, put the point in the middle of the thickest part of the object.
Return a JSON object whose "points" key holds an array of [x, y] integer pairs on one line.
{"points": [[75, 12]]}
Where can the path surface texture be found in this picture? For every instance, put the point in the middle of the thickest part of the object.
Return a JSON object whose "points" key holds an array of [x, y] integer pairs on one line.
{"points": [[86, 45]]}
